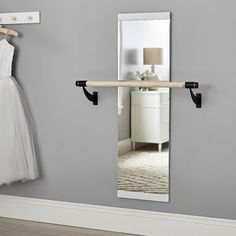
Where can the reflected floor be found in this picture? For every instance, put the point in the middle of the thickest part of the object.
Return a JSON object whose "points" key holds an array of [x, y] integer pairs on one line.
{"points": [[144, 173]]}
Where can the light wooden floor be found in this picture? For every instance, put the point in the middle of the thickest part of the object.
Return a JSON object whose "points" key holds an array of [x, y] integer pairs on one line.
{"points": [[12, 227]]}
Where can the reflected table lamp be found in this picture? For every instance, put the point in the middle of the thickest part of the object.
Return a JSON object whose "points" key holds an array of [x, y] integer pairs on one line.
{"points": [[153, 56]]}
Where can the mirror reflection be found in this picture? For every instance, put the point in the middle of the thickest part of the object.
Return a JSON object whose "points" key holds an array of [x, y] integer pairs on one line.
{"points": [[143, 113]]}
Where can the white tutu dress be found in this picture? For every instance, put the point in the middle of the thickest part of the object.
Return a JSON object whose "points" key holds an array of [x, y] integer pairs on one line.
{"points": [[17, 140]]}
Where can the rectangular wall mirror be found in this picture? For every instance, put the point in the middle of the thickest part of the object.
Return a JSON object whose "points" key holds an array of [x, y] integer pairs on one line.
{"points": [[143, 113]]}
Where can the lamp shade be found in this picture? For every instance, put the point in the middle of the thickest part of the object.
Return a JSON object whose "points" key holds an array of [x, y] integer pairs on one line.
{"points": [[153, 56]]}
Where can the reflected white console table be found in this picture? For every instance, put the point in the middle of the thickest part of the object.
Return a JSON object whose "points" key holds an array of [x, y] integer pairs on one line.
{"points": [[150, 117]]}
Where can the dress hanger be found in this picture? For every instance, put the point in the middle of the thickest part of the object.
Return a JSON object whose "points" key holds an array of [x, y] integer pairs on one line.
{"points": [[8, 32]]}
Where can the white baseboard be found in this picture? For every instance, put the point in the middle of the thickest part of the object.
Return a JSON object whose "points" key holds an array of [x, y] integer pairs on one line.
{"points": [[113, 219], [124, 146]]}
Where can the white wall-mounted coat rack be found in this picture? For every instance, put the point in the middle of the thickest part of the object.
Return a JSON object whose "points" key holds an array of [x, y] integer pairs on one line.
{"points": [[20, 18], [197, 98]]}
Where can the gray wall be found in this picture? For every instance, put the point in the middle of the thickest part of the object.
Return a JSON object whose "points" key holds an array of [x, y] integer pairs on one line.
{"points": [[78, 141]]}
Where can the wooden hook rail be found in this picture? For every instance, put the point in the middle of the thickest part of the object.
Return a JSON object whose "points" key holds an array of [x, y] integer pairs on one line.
{"points": [[197, 99]]}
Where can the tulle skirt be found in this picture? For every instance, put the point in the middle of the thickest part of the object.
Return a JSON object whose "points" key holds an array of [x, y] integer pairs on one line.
{"points": [[17, 137]]}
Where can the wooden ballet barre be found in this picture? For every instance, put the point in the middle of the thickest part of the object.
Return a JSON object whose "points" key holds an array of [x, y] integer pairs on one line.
{"points": [[134, 83], [137, 83]]}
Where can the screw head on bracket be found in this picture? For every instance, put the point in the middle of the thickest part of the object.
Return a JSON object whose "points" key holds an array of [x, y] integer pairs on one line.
{"points": [[13, 18]]}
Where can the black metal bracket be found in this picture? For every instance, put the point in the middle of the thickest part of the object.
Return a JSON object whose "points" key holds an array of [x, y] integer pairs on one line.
{"points": [[197, 99], [93, 97]]}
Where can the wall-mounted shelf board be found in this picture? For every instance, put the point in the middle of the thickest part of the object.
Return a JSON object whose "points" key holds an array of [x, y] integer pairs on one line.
{"points": [[20, 18]]}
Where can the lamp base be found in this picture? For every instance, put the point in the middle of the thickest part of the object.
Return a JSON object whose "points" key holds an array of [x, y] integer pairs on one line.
{"points": [[153, 68]]}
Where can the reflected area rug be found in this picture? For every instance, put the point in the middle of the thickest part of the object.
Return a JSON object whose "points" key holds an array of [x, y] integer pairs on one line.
{"points": [[144, 171]]}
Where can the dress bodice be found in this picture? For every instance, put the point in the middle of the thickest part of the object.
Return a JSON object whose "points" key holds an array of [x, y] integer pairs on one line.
{"points": [[6, 57]]}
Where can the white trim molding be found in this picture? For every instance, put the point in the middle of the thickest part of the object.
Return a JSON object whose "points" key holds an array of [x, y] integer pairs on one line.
{"points": [[113, 219], [124, 146]]}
